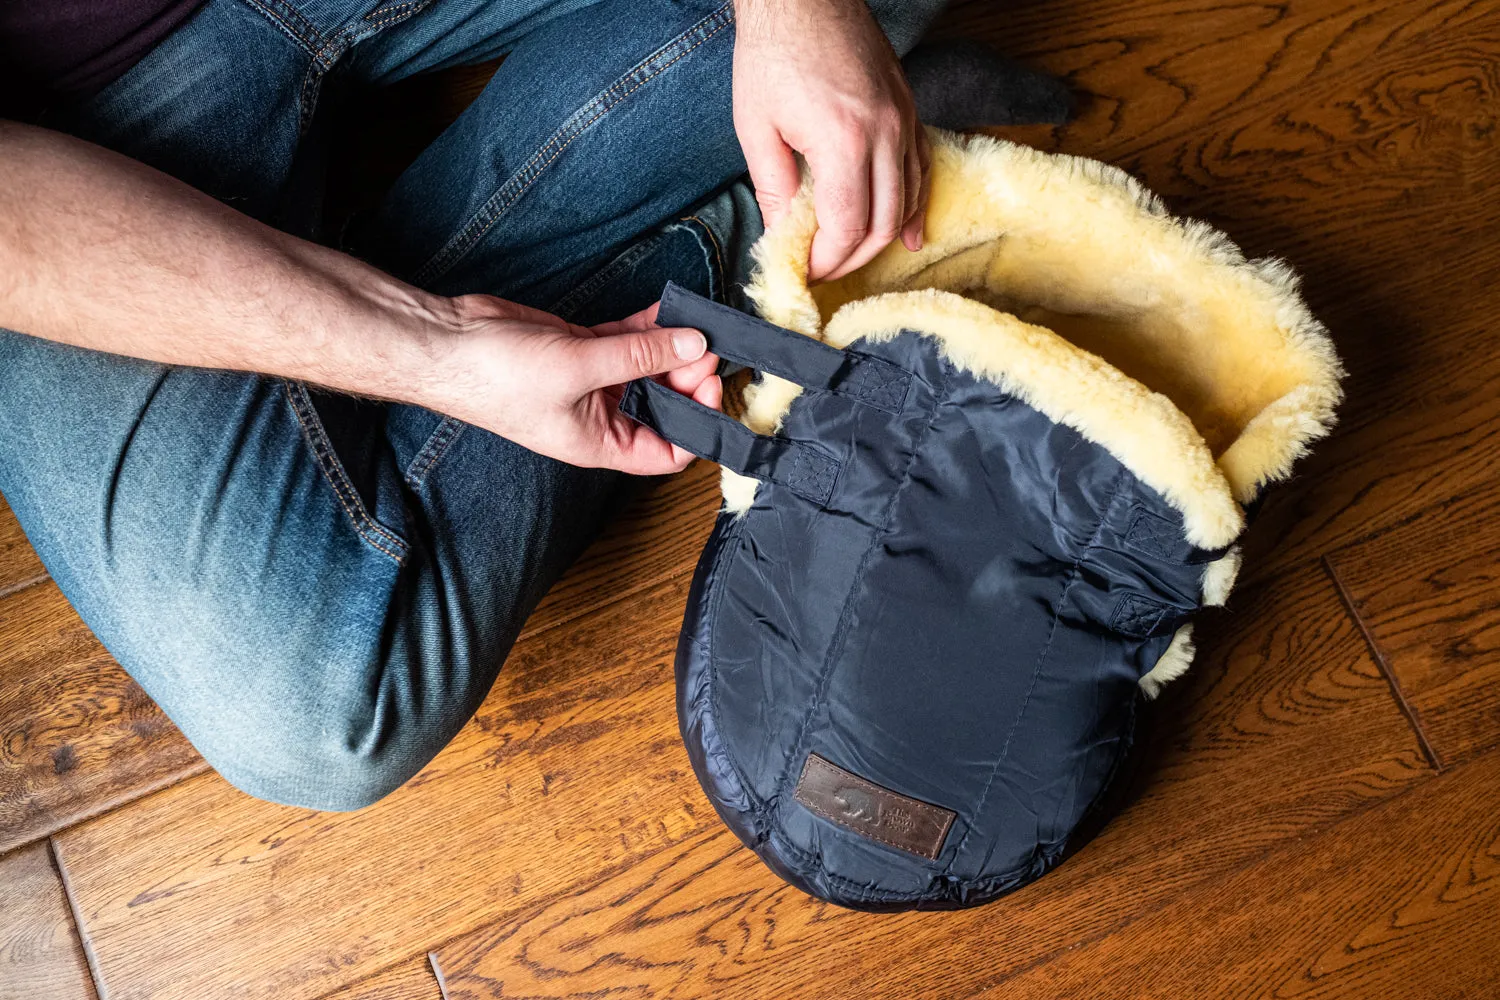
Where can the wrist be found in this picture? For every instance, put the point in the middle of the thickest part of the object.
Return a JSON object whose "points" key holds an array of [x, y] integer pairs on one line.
{"points": [[408, 342]]}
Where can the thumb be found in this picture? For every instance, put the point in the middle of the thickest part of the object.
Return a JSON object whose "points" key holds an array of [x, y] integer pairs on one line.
{"points": [[613, 360]]}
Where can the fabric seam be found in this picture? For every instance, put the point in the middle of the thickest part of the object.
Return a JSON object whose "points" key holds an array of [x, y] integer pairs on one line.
{"points": [[841, 630], [280, 14], [333, 471], [1062, 600], [434, 448], [333, 48], [718, 288], [717, 600]]}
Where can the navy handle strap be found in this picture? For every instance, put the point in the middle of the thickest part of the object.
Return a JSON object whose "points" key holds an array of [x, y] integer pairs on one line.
{"points": [[803, 468], [747, 340]]}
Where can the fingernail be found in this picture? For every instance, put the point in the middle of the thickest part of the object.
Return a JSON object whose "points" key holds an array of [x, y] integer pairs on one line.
{"points": [[689, 345]]}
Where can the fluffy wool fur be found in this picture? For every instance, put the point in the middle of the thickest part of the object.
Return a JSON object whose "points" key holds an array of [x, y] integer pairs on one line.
{"points": [[1068, 284], [1173, 663]]}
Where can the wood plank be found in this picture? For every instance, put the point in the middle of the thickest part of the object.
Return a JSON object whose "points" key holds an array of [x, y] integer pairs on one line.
{"points": [[1355, 140], [660, 535], [1354, 912], [41, 957], [1284, 728], [1426, 591], [19, 565], [413, 980], [1152, 73], [77, 735], [573, 767]]}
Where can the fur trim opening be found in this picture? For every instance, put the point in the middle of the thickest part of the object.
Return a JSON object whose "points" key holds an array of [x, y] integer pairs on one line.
{"points": [[1067, 283]]}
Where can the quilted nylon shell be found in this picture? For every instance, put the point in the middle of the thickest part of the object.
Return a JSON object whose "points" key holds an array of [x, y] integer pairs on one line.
{"points": [[965, 622]]}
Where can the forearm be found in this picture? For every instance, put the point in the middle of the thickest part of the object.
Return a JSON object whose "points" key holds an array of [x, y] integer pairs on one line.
{"points": [[99, 251]]}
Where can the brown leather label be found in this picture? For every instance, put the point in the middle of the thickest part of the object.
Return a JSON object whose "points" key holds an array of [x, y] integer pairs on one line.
{"points": [[871, 811]]}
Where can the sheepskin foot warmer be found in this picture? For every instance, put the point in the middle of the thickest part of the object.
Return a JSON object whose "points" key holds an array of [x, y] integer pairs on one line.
{"points": [[974, 501]]}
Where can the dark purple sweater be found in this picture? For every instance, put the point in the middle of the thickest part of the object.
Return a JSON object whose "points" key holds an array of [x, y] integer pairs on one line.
{"points": [[51, 49]]}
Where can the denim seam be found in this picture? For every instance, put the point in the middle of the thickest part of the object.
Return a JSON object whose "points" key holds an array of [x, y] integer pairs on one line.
{"points": [[436, 446], [291, 23], [718, 257], [366, 526], [581, 293], [334, 47], [1036, 672], [598, 106]]}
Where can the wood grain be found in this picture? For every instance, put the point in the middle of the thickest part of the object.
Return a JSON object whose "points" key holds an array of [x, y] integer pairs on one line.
{"points": [[571, 769], [1426, 591], [1286, 688], [1357, 140], [1394, 903], [41, 957], [77, 735], [413, 980], [19, 565]]}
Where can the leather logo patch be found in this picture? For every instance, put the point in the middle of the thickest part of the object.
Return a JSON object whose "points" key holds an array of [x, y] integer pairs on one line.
{"points": [[872, 811]]}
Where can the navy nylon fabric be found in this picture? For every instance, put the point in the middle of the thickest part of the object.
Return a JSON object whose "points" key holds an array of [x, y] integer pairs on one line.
{"points": [[963, 620]]}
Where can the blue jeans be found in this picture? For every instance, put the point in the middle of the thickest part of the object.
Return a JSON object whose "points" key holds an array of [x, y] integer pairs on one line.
{"points": [[319, 591]]}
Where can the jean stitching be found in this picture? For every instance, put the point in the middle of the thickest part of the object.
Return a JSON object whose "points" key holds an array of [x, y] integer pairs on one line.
{"points": [[1036, 671], [334, 47], [333, 471], [435, 447], [582, 292], [605, 101], [527, 176], [718, 257], [392, 10], [281, 15]]}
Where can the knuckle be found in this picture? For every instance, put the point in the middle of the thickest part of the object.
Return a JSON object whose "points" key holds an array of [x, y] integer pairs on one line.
{"points": [[849, 235], [771, 200], [848, 129], [644, 355], [890, 120]]}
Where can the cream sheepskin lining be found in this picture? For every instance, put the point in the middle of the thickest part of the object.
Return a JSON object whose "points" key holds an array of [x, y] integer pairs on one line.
{"points": [[1067, 283], [1173, 663]]}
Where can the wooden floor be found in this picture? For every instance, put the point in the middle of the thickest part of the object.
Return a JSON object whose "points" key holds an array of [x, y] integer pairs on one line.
{"points": [[1316, 815]]}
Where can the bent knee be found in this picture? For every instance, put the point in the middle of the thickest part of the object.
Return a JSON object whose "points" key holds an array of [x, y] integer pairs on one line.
{"points": [[310, 759], [326, 735]]}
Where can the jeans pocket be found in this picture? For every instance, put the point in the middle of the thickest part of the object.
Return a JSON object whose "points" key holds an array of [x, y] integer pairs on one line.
{"points": [[377, 535], [684, 251]]}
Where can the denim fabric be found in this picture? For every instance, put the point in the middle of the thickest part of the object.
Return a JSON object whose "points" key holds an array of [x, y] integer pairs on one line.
{"points": [[319, 590]]}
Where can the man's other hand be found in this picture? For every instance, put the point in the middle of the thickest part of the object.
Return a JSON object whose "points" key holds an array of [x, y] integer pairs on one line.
{"points": [[819, 78]]}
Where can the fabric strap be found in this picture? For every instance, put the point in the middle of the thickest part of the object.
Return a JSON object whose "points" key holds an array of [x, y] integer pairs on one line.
{"points": [[747, 340], [800, 466], [803, 468]]}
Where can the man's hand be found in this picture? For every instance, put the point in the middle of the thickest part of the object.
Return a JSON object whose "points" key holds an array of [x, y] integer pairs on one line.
{"points": [[818, 77], [555, 387]]}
